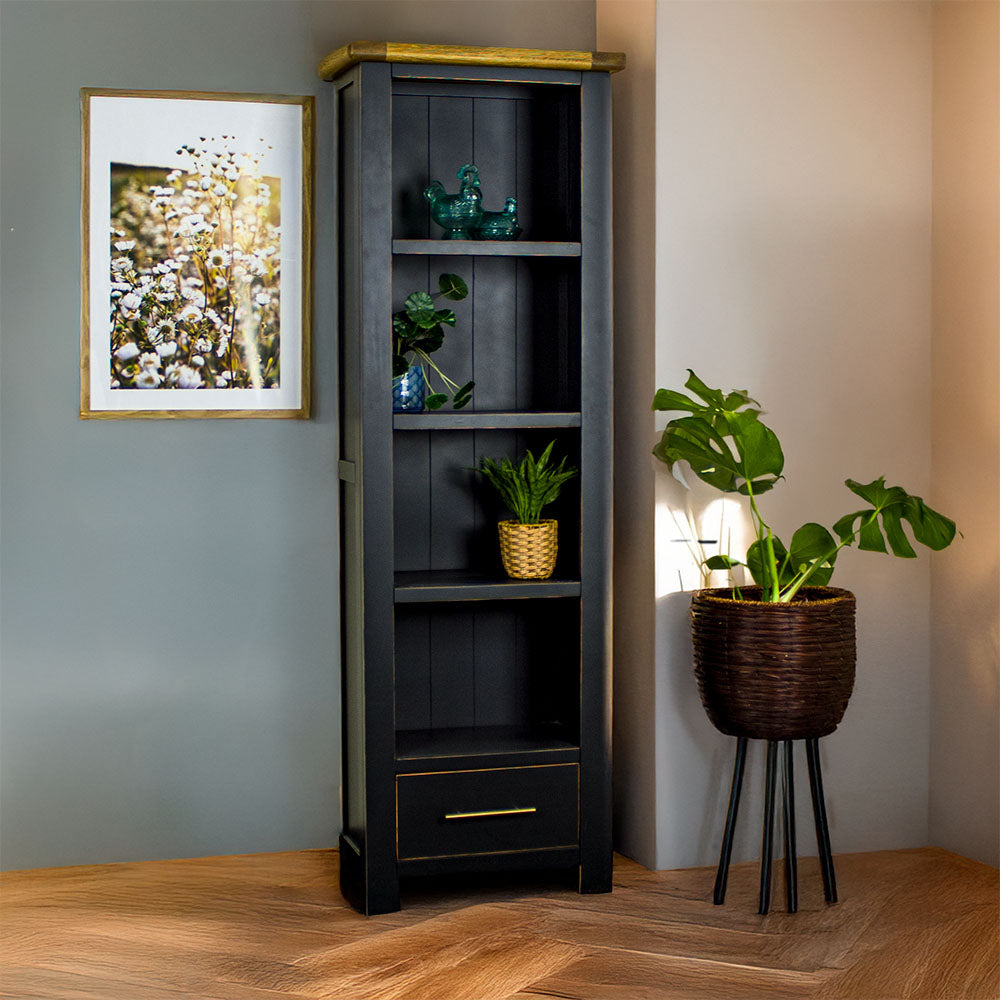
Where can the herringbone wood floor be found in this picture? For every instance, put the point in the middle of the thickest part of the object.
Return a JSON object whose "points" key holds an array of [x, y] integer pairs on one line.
{"points": [[910, 924]]}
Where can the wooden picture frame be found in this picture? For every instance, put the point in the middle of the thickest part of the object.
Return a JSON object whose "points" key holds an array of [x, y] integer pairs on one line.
{"points": [[196, 254]]}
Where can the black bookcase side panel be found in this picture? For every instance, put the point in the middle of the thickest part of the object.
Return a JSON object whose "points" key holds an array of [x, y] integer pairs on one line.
{"points": [[352, 620], [548, 342], [365, 194], [548, 642], [596, 447], [410, 210], [548, 164]]}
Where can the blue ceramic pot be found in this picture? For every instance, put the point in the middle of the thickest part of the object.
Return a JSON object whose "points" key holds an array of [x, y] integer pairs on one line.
{"points": [[409, 390]]}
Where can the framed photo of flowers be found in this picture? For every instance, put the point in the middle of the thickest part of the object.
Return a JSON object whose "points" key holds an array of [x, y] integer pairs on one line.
{"points": [[197, 236]]}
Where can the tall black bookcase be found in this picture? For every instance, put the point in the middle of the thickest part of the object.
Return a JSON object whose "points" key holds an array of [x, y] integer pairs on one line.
{"points": [[476, 709]]}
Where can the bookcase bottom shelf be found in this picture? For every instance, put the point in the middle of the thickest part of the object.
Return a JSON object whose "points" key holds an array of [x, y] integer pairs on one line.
{"points": [[483, 747]]}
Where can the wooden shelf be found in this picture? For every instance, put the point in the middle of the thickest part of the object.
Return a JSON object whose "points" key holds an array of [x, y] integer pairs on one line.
{"points": [[470, 420], [425, 587], [486, 248]]}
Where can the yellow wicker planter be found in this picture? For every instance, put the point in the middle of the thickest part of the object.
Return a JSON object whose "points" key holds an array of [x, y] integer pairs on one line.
{"points": [[529, 551]]}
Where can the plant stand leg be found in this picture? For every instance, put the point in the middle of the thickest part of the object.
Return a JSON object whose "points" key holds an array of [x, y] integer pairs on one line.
{"points": [[768, 832], [822, 828], [734, 805], [788, 817]]}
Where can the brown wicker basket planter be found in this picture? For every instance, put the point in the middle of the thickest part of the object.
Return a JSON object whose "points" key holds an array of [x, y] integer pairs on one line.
{"points": [[529, 551], [774, 671]]}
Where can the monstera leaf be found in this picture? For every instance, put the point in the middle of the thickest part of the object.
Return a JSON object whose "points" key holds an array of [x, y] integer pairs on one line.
{"points": [[891, 506], [723, 440]]}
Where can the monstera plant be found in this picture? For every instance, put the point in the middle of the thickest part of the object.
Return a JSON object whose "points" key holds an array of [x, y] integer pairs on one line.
{"points": [[775, 660], [727, 445]]}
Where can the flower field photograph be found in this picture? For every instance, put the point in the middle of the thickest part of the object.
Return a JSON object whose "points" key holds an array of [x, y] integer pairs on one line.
{"points": [[196, 283]]}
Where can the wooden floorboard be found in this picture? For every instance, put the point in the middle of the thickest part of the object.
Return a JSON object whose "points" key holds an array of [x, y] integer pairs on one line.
{"points": [[909, 924]]}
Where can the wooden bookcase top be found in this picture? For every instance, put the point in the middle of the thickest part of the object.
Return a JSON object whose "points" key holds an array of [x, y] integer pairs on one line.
{"points": [[462, 55]]}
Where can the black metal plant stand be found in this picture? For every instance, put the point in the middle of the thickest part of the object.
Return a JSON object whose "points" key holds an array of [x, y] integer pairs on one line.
{"points": [[788, 822]]}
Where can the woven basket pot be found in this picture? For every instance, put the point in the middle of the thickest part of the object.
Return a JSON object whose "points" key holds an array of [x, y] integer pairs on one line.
{"points": [[774, 671], [529, 551]]}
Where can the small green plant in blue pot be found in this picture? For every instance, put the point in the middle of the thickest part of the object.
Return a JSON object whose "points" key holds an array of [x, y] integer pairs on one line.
{"points": [[417, 332]]}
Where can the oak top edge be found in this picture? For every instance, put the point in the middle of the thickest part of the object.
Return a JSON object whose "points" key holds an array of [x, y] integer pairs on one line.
{"points": [[463, 55]]}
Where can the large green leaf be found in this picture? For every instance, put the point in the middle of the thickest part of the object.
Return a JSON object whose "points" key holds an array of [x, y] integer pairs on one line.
{"points": [[436, 400], [445, 316], [722, 562], [453, 287], [890, 507], [668, 399], [813, 545], [722, 440], [402, 327], [695, 441], [420, 308], [428, 341], [462, 397], [761, 457], [400, 365]]}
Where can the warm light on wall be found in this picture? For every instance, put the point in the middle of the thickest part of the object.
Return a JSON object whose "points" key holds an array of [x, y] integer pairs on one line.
{"points": [[685, 537]]}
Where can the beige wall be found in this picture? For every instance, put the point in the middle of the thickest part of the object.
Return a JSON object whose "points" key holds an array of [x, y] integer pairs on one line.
{"points": [[792, 256], [965, 594]]}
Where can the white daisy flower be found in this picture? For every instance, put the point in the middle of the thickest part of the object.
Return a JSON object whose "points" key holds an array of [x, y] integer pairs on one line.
{"points": [[190, 314], [218, 257], [189, 378], [127, 352]]}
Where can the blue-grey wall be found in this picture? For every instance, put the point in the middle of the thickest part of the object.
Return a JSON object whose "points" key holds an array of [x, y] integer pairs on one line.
{"points": [[169, 667]]}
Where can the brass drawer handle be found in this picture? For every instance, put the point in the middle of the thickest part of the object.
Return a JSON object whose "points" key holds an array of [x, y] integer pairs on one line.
{"points": [[490, 812]]}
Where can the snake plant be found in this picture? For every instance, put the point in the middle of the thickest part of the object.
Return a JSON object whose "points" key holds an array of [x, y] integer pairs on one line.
{"points": [[530, 485]]}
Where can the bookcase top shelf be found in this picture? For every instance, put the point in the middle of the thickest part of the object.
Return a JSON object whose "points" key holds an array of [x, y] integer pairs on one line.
{"points": [[487, 248], [463, 55]]}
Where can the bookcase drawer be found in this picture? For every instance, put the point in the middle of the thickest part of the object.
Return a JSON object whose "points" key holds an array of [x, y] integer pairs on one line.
{"points": [[450, 813]]}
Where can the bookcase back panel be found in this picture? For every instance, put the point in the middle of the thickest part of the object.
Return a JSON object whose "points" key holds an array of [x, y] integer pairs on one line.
{"points": [[517, 334], [513, 663], [445, 514], [523, 139]]}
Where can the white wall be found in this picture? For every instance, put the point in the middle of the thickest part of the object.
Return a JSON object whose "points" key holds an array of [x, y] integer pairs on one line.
{"points": [[965, 581], [792, 210]]}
